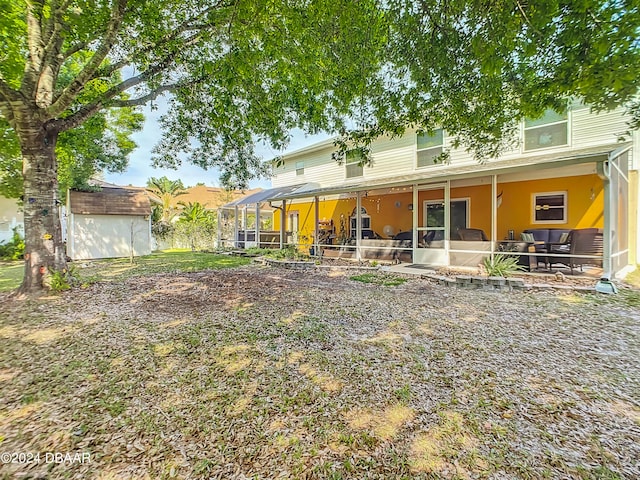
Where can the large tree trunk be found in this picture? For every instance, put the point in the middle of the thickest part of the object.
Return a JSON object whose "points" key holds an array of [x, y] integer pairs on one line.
{"points": [[44, 249]]}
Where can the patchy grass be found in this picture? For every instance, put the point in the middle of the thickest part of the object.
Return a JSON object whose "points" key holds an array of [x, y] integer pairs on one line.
{"points": [[240, 373], [119, 269], [11, 274], [379, 279]]}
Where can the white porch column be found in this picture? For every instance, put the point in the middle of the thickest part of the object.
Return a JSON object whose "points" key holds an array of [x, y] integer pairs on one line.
{"points": [[236, 228], [358, 224], [414, 215], [258, 224], [219, 230], [494, 212], [283, 223], [447, 220], [316, 231]]}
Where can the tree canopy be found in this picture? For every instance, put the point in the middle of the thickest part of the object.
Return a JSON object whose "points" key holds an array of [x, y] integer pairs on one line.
{"points": [[475, 68]]}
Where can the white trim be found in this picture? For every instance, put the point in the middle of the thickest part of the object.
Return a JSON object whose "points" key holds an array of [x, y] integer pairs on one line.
{"points": [[564, 208]]}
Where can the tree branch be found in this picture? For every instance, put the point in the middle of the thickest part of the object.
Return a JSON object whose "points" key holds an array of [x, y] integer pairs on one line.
{"points": [[74, 49], [186, 26], [70, 93], [34, 44], [52, 60], [137, 102]]}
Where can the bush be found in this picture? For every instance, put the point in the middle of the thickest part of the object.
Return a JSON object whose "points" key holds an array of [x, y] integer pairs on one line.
{"points": [[501, 265], [60, 280], [13, 250]]}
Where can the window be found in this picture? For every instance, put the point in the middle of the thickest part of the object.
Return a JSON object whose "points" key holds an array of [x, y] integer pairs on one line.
{"points": [[550, 207], [353, 161], [429, 147], [299, 168], [550, 130]]}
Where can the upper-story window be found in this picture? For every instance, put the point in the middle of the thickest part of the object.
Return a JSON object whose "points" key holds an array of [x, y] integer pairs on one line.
{"points": [[550, 130], [430, 147], [353, 161], [299, 168]]}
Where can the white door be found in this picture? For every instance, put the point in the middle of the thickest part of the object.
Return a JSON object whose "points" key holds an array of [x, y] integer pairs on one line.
{"points": [[431, 235]]}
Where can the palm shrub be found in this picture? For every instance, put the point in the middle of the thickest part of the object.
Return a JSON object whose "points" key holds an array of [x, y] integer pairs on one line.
{"points": [[501, 265]]}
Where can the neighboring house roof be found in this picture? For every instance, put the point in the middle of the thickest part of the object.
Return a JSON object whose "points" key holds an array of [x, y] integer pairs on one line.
{"points": [[212, 198], [110, 201]]}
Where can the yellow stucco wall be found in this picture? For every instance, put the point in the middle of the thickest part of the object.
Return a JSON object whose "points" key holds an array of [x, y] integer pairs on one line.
{"points": [[585, 205]]}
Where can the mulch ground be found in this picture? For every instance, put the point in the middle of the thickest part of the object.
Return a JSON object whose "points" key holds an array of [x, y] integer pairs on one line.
{"points": [[263, 372]]}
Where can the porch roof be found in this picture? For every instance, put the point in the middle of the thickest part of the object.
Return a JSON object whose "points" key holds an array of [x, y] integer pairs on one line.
{"points": [[264, 196], [521, 164], [306, 190]]}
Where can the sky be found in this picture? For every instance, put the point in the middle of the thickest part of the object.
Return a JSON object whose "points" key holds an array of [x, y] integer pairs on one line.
{"points": [[140, 169]]}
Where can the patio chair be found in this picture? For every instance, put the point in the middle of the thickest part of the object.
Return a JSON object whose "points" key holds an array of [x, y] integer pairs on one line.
{"points": [[472, 235], [583, 241]]}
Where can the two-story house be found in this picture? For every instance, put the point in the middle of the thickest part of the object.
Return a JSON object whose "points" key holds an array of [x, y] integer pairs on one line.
{"points": [[569, 172]]}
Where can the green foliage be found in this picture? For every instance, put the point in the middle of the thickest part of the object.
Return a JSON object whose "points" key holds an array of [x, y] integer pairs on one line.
{"points": [[101, 144], [60, 280], [501, 265], [516, 61], [379, 279], [14, 249], [196, 226], [288, 253]]}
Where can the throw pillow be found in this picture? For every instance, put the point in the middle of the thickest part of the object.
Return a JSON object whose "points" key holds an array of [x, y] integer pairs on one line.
{"points": [[527, 237]]}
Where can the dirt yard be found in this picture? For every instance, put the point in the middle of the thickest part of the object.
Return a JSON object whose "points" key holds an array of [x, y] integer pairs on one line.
{"points": [[259, 372]]}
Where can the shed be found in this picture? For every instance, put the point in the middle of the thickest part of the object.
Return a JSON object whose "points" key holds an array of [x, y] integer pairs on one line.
{"points": [[112, 222]]}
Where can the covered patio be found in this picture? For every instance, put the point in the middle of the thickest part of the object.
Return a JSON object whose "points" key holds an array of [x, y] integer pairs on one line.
{"points": [[531, 208]]}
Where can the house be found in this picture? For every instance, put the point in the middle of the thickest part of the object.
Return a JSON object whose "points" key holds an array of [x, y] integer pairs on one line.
{"points": [[10, 217], [112, 222], [569, 171]]}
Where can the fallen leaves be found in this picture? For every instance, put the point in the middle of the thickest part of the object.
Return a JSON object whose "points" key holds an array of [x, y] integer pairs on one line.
{"points": [[278, 374]]}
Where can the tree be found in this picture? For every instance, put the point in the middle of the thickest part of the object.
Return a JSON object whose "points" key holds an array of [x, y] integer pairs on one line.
{"points": [[476, 68], [165, 192], [196, 224], [237, 70]]}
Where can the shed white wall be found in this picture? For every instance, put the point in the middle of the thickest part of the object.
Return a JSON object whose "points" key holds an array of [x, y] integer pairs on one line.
{"points": [[107, 236], [10, 217], [397, 156]]}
